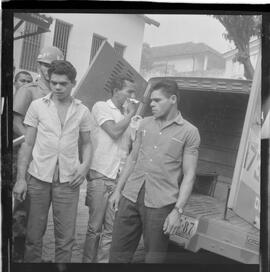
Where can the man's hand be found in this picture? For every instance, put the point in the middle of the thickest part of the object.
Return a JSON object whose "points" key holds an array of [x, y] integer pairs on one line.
{"points": [[114, 200], [131, 107], [78, 176], [20, 189], [171, 223]]}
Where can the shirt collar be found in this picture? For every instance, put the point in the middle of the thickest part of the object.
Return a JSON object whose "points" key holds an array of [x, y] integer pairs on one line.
{"points": [[110, 103], [48, 97], [178, 119]]}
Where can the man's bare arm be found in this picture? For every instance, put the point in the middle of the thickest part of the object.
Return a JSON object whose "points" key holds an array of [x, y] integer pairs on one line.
{"points": [[115, 130], [25, 154], [189, 170], [86, 149], [18, 126]]}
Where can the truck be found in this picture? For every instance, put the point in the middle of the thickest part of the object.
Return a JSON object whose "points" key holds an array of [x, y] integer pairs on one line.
{"points": [[222, 214]]}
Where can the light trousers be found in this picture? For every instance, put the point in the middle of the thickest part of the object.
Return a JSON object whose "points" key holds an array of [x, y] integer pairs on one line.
{"points": [[100, 224], [64, 202]]}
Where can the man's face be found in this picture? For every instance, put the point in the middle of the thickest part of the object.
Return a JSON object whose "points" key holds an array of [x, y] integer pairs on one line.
{"points": [[22, 80], [61, 86], [128, 91], [43, 68], [160, 104]]}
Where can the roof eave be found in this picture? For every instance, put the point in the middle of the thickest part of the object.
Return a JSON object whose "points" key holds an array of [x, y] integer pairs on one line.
{"points": [[149, 20]]}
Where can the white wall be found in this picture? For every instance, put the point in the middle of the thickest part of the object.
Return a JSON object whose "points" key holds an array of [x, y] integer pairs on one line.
{"points": [[127, 29], [236, 69], [182, 64]]}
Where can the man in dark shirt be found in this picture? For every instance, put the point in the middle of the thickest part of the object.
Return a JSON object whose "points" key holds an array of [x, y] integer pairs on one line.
{"points": [[164, 156]]}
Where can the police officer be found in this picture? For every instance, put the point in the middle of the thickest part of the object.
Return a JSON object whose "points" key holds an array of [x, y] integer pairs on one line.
{"points": [[21, 101]]}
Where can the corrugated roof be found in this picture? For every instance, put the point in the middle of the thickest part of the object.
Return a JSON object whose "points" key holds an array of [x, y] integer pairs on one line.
{"points": [[188, 48]]}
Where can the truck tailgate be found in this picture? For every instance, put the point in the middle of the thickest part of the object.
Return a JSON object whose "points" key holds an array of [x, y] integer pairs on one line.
{"points": [[233, 238]]}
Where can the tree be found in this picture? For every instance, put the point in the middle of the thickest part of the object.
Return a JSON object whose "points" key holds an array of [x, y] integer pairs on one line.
{"points": [[147, 60], [240, 28]]}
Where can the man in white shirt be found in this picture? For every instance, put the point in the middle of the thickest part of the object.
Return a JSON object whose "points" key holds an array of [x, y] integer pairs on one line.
{"points": [[110, 141], [54, 124]]}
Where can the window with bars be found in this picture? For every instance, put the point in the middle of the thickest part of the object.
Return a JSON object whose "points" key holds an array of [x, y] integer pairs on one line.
{"points": [[96, 43], [61, 35], [119, 48], [30, 48]]}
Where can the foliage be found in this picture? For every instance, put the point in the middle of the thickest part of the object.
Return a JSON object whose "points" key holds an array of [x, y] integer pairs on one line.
{"points": [[240, 29]]}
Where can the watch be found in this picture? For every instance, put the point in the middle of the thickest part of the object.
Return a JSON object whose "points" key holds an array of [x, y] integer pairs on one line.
{"points": [[179, 210]]}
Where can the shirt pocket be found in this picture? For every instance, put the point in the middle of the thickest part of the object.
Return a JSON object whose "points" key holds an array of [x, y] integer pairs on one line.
{"points": [[175, 148]]}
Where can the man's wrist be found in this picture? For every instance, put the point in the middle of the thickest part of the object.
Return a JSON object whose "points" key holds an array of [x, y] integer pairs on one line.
{"points": [[179, 210], [21, 181]]}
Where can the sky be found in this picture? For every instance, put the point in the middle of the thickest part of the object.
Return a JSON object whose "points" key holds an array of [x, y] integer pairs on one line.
{"points": [[186, 28]]}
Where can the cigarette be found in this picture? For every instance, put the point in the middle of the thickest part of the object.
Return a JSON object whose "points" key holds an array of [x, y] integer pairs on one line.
{"points": [[134, 100]]}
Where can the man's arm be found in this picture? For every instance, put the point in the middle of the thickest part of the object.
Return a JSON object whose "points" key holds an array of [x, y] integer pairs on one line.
{"points": [[115, 130], [189, 171], [127, 170], [86, 156], [24, 157], [21, 103], [18, 126]]}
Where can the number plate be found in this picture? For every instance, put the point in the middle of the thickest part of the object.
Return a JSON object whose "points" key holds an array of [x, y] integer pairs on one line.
{"points": [[188, 227]]}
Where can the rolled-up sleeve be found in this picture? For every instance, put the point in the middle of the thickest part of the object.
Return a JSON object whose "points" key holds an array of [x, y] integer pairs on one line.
{"points": [[87, 122], [101, 113], [192, 142], [31, 117]]}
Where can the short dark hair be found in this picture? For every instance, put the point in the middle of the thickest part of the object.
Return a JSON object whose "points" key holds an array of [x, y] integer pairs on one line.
{"points": [[22, 73], [118, 82], [62, 67], [168, 87]]}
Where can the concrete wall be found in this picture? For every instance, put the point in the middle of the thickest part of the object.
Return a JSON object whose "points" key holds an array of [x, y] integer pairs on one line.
{"points": [[126, 29]]}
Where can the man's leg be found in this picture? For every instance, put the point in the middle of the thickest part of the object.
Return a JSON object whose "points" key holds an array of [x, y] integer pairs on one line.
{"points": [[20, 216], [127, 230], [64, 204], [106, 235], [96, 200], [155, 241], [39, 193], [20, 213]]}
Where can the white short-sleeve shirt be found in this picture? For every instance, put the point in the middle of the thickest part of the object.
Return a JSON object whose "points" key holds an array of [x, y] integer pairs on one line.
{"points": [[108, 153], [54, 143]]}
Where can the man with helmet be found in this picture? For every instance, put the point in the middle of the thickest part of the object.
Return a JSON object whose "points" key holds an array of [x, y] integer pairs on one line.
{"points": [[21, 102]]}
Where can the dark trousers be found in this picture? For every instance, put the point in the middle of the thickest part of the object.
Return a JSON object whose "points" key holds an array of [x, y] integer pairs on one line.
{"points": [[134, 219], [20, 213]]}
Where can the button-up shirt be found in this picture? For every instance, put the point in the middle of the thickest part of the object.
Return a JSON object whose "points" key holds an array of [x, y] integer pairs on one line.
{"points": [[108, 152], [159, 162], [53, 142]]}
